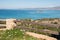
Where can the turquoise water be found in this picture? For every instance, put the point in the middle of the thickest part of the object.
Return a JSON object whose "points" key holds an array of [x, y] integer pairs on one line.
{"points": [[33, 14]]}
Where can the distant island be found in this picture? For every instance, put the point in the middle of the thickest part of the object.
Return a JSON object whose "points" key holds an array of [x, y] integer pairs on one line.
{"points": [[55, 8], [46, 8]]}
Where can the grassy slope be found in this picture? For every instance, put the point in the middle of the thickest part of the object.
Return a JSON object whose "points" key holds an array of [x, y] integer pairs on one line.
{"points": [[15, 34]]}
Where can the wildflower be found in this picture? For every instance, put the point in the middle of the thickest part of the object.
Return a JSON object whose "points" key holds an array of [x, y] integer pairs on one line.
{"points": [[0, 37], [9, 35], [23, 33], [15, 32], [8, 32]]}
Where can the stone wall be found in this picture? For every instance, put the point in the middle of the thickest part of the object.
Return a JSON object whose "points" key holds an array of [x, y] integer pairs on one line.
{"points": [[10, 23]]}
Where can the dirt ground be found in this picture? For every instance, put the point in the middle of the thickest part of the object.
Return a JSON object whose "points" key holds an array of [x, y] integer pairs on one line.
{"points": [[40, 36]]}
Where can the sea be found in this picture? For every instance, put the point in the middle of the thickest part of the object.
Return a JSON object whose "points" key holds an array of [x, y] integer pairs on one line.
{"points": [[29, 14]]}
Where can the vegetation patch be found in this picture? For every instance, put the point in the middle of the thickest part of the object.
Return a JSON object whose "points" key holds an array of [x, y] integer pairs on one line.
{"points": [[15, 34]]}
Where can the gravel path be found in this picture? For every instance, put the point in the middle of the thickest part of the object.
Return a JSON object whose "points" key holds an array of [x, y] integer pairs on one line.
{"points": [[40, 36]]}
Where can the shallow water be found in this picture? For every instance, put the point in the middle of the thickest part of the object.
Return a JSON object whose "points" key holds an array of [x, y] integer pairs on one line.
{"points": [[33, 14]]}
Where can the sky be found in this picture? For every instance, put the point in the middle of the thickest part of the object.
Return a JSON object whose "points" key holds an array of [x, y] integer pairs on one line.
{"points": [[16, 4]]}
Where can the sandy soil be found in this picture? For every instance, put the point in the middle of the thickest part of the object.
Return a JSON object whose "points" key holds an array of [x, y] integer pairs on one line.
{"points": [[40, 36]]}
